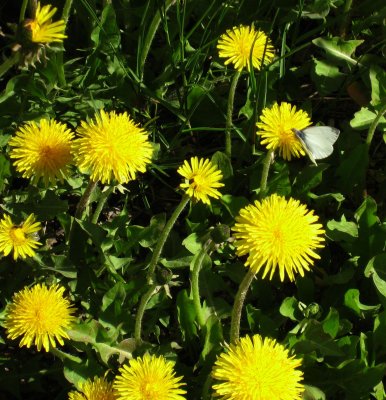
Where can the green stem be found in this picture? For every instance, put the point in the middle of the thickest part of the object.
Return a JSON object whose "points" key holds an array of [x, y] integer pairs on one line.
{"points": [[150, 36], [9, 63], [205, 389], [195, 282], [101, 203], [264, 175], [22, 10], [374, 125], [345, 18], [141, 311], [84, 200], [238, 305], [66, 11], [164, 235], [63, 356], [228, 125], [59, 58]]}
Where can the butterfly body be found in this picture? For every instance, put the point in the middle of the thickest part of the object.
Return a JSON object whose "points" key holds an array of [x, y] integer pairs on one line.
{"points": [[317, 141]]}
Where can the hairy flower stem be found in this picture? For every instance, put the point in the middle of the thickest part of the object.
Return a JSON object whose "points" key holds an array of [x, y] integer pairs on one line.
{"points": [[151, 31], [264, 175], [162, 239], [238, 305], [101, 204], [228, 123], [22, 10], [85, 199], [374, 125], [141, 311], [66, 11], [63, 356], [195, 282], [151, 269], [59, 57]]}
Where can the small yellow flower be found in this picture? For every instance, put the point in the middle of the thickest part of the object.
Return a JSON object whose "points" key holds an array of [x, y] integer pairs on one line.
{"points": [[21, 239], [149, 377], [112, 147], [97, 389], [42, 151], [41, 315], [276, 127], [278, 234], [257, 369], [202, 179], [237, 44], [42, 29]]}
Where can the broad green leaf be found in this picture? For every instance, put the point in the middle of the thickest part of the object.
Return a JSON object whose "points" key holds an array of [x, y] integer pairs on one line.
{"points": [[376, 269], [339, 49], [331, 323], [352, 170], [378, 84], [290, 308], [313, 393], [308, 178], [221, 160], [233, 204], [327, 77], [186, 316], [342, 230], [364, 118]]}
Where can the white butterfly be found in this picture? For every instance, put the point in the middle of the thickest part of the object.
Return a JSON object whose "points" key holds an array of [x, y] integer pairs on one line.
{"points": [[317, 141]]}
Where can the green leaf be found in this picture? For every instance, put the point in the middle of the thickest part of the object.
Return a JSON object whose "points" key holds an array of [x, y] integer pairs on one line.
{"points": [[351, 300], [327, 77], [331, 323], [308, 178], [342, 231], [186, 316], [339, 49], [289, 308], [364, 118], [313, 393], [376, 269], [222, 161], [352, 170], [233, 204], [315, 339], [377, 77]]}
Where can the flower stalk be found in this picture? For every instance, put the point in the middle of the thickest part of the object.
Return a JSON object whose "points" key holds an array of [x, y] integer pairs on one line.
{"points": [[141, 311], [195, 288], [264, 176], [238, 305], [164, 235], [101, 203], [85, 199], [228, 126]]}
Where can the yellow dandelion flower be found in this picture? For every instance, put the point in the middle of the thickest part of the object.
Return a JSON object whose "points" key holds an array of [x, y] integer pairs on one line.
{"points": [[42, 29], [42, 151], [112, 147], [237, 44], [257, 369], [21, 239], [97, 389], [202, 179], [278, 234], [41, 315], [149, 377], [276, 127]]}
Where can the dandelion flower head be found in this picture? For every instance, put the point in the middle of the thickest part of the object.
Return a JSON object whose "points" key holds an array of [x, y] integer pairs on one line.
{"points": [[278, 234], [237, 44], [42, 151], [21, 239], [275, 128], [202, 179], [254, 368], [112, 147], [148, 378], [42, 29], [97, 389], [40, 315]]}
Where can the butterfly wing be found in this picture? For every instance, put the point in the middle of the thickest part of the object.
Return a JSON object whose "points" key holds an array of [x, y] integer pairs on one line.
{"points": [[318, 140]]}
